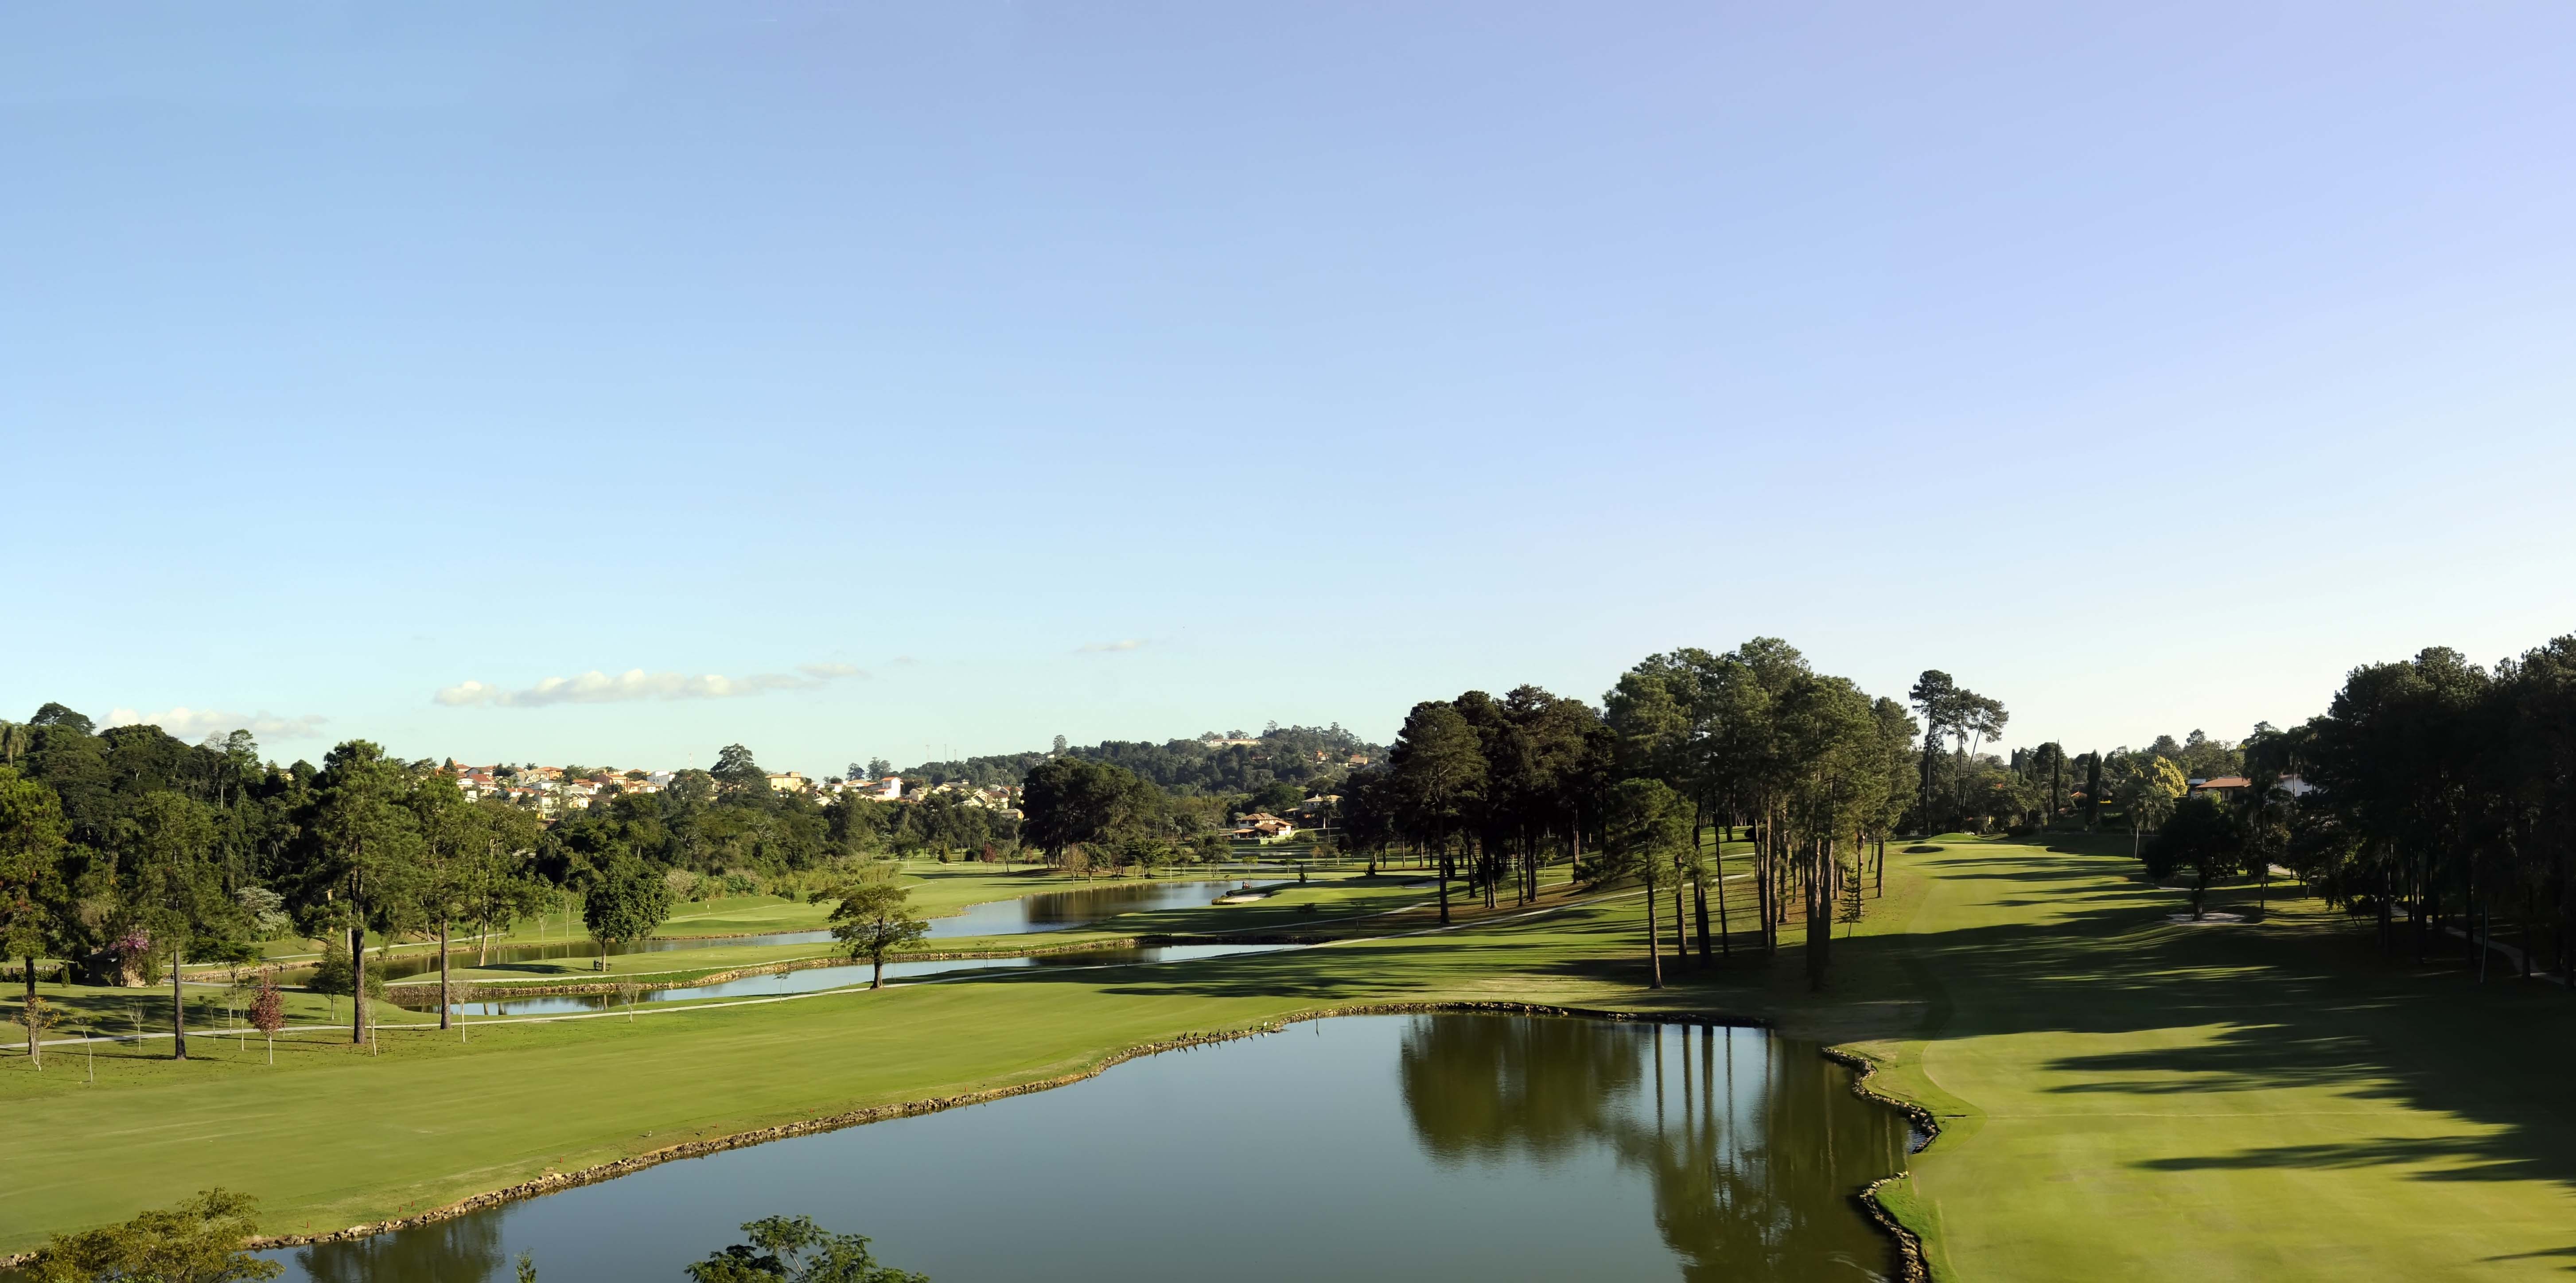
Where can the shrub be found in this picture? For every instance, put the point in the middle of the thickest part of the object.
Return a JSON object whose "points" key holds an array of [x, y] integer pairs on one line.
{"points": [[200, 1240]]}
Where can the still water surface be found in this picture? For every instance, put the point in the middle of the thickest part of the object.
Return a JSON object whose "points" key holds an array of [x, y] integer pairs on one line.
{"points": [[814, 979], [1419, 1148], [1043, 911]]}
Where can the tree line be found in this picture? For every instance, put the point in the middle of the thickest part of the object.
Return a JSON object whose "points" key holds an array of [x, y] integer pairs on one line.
{"points": [[1688, 750], [129, 854], [1084, 813], [1214, 764], [2434, 796]]}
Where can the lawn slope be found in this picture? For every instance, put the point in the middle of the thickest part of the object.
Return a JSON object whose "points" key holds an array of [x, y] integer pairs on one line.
{"points": [[2122, 1096]]}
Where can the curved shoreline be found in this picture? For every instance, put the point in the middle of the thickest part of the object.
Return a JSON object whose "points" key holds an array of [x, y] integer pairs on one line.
{"points": [[1911, 1265], [1905, 1244], [407, 948], [503, 991]]}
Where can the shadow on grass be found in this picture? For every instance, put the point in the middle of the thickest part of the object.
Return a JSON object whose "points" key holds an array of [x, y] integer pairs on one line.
{"points": [[2303, 1001]]}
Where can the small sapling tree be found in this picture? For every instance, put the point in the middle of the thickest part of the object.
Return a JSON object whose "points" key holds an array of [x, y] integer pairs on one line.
{"points": [[268, 1011], [39, 1013]]}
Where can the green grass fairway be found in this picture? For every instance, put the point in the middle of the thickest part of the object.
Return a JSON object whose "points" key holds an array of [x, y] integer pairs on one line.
{"points": [[2152, 1100], [2122, 1097], [937, 890]]}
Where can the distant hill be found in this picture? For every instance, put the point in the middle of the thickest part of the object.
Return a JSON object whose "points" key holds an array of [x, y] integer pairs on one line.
{"points": [[1212, 763]]}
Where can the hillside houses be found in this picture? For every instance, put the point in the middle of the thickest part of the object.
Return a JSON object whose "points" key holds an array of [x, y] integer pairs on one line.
{"points": [[889, 789], [548, 791]]}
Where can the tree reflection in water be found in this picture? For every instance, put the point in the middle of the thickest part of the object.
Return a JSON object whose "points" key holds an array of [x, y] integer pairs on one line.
{"points": [[459, 1251], [1753, 1144]]}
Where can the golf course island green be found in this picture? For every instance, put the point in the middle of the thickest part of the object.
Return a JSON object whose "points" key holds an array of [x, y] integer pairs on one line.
{"points": [[2119, 1094]]}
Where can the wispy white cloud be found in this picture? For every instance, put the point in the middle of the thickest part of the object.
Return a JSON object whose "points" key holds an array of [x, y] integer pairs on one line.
{"points": [[197, 723], [596, 687], [1104, 648]]}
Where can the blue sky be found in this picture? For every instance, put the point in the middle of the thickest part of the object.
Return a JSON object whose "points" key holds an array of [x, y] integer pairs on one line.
{"points": [[877, 380]]}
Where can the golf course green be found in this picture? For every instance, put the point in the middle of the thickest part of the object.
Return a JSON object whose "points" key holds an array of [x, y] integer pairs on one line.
{"points": [[2120, 1095]]}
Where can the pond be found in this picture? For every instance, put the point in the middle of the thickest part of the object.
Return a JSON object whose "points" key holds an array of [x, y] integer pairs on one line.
{"points": [[1065, 910], [812, 979], [1419, 1148], [1042, 911]]}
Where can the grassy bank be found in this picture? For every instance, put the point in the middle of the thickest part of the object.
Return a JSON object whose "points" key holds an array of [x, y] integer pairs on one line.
{"points": [[2136, 1098], [2122, 1096]]}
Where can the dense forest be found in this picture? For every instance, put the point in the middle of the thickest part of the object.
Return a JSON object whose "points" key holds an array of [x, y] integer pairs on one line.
{"points": [[1814, 771], [1212, 764], [2436, 797], [119, 848]]}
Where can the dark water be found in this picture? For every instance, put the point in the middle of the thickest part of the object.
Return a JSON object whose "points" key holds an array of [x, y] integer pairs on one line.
{"points": [[1064, 910], [812, 979], [1044, 911], [1418, 1148], [405, 965]]}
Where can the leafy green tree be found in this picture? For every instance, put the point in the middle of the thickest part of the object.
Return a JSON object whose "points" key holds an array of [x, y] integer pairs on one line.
{"points": [[360, 868], [1828, 750], [198, 1241], [1275, 796], [1539, 750], [1436, 773], [2204, 758], [174, 889], [64, 756], [1739, 769], [1648, 831], [1956, 715], [2047, 768], [738, 778], [1899, 789], [2147, 786], [871, 920], [504, 886], [943, 822], [456, 846], [628, 902], [52, 714], [1935, 697], [2445, 789], [33, 894], [1073, 800], [2200, 838], [796, 1250]]}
